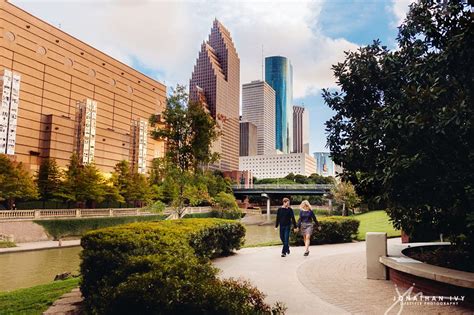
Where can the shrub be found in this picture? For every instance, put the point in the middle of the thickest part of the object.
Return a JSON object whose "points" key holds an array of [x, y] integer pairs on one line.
{"points": [[164, 268], [77, 227], [6, 244], [333, 230]]}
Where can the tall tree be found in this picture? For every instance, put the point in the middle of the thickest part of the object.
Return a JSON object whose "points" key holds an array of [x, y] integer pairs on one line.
{"points": [[15, 182], [403, 127], [84, 184], [48, 180], [345, 195], [189, 133]]}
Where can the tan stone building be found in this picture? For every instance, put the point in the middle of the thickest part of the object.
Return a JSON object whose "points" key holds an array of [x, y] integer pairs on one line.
{"points": [[72, 98]]}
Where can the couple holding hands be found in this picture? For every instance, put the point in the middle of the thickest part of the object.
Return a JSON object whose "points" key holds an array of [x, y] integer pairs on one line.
{"points": [[286, 216]]}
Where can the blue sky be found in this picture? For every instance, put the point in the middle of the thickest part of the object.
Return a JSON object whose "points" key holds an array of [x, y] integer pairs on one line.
{"points": [[360, 22], [162, 38]]}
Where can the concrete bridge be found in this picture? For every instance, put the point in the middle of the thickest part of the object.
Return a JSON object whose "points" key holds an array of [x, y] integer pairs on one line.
{"points": [[270, 191]]}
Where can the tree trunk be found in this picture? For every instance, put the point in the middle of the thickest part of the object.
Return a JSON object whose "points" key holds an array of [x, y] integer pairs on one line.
{"points": [[344, 211]]}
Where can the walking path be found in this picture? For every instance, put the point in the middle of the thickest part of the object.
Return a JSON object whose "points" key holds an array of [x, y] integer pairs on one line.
{"points": [[22, 247], [331, 280]]}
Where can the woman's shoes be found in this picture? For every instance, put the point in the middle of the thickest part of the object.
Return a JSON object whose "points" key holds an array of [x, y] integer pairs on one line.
{"points": [[306, 253]]}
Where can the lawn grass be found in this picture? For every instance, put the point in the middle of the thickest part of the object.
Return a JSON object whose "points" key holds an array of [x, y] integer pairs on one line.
{"points": [[35, 300], [375, 221]]}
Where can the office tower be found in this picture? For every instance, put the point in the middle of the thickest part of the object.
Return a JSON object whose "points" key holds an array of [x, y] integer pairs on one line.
{"points": [[258, 107], [279, 75], [216, 78], [300, 129], [324, 164], [248, 139]]}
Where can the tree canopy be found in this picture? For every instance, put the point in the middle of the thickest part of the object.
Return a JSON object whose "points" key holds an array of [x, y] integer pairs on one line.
{"points": [[403, 128]]}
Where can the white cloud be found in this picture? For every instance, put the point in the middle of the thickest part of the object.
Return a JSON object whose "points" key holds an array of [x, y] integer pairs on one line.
{"points": [[400, 10], [166, 35]]}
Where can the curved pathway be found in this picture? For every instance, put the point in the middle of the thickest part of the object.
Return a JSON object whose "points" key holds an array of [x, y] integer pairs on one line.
{"points": [[331, 280]]}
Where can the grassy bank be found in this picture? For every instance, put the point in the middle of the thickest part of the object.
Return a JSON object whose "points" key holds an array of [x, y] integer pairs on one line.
{"points": [[375, 221], [77, 227], [35, 300]]}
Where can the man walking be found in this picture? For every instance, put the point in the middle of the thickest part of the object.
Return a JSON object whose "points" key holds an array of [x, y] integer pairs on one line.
{"points": [[285, 217]]}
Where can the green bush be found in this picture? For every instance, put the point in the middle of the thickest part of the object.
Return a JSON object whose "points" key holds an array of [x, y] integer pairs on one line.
{"points": [[77, 227], [333, 230], [6, 244], [164, 268]]}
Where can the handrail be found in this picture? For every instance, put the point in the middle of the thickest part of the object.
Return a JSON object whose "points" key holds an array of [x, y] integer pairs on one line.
{"points": [[284, 186], [66, 213]]}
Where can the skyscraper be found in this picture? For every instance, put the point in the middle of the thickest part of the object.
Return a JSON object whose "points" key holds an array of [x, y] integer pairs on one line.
{"points": [[300, 129], [279, 75], [258, 107], [216, 78], [248, 139]]}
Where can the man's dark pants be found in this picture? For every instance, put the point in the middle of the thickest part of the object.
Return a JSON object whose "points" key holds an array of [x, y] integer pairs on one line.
{"points": [[285, 238]]}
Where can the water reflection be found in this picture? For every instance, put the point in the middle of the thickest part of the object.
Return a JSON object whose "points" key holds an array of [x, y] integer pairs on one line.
{"points": [[26, 269]]}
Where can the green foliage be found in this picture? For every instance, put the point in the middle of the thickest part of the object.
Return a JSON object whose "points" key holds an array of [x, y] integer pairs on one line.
{"points": [[15, 182], [48, 179], [403, 127], [156, 207], [132, 186], [345, 196], [164, 268], [7, 244], [333, 230], [189, 133], [85, 185], [297, 179], [227, 207], [35, 300], [78, 227]]}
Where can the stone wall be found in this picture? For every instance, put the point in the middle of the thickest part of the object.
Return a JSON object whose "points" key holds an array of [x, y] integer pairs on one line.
{"points": [[24, 231]]}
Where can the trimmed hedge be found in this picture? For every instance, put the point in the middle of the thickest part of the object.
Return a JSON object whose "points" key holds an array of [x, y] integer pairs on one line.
{"points": [[164, 268], [334, 229], [77, 227]]}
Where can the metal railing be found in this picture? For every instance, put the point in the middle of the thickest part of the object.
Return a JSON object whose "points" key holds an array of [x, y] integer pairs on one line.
{"points": [[285, 186], [66, 213]]}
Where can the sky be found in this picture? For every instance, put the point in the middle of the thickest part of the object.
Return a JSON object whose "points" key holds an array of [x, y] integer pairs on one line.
{"points": [[162, 38]]}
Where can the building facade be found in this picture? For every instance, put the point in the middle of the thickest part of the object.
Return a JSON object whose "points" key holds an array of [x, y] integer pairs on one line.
{"points": [[248, 139], [278, 165], [279, 75], [300, 129], [324, 164], [216, 78], [258, 107], [73, 98]]}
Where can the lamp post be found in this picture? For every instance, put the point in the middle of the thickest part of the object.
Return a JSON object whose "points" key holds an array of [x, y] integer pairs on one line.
{"points": [[268, 205]]}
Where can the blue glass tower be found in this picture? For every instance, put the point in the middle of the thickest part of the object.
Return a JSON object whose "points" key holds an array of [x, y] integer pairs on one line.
{"points": [[279, 75]]}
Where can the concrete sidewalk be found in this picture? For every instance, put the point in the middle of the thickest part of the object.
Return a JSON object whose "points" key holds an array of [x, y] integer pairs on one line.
{"points": [[22, 247], [331, 280]]}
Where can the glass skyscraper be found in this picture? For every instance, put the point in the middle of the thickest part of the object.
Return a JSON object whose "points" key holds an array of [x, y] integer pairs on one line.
{"points": [[279, 75]]}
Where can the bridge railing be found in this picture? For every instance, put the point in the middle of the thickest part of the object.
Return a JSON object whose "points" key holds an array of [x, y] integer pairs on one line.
{"points": [[285, 186], [66, 213]]}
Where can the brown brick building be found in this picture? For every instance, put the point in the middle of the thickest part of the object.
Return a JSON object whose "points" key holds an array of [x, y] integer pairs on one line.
{"points": [[74, 98], [217, 75]]}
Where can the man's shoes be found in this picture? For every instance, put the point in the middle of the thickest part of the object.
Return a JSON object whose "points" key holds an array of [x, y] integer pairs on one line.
{"points": [[306, 253], [283, 255], [288, 252]]}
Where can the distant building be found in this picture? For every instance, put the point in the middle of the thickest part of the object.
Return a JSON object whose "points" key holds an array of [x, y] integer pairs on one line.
{"points": [[325, 165], [279, 75], [243, 178], [248, 139], [216, 79], [258, 107], [278, 165], [300, 129]]}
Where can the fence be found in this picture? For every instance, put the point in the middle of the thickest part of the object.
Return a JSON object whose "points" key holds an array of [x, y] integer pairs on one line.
{"points": [[67, 213]]}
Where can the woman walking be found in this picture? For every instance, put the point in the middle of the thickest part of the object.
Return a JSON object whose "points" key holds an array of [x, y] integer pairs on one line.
{"points": [[305, 224]]}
